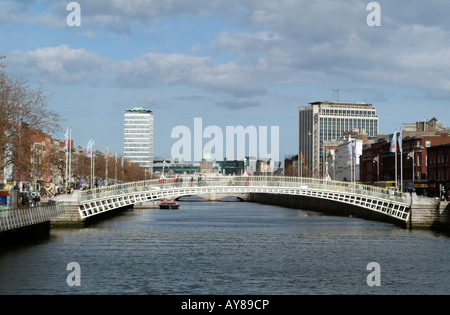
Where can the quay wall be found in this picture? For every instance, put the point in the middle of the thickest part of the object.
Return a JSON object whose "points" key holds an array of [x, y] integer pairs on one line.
{"points": [[429, 213]]}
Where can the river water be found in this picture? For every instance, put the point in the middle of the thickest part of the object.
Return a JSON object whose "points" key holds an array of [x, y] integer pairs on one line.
{"points": [[228, 248]]}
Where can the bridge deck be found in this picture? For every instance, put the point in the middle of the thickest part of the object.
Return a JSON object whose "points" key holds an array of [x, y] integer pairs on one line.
{"points": [[390, 203], [20, 217]]}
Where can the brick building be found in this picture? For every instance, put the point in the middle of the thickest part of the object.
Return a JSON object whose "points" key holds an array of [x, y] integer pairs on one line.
{"points": [[439, 169], [378, 163]]}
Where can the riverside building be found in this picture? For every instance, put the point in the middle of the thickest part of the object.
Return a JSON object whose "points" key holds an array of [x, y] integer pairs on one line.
{"points": [[330, 121], [138, 137]]}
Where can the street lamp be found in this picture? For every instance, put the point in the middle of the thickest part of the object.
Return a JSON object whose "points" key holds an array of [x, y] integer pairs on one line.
{"points": [[411, 156]]}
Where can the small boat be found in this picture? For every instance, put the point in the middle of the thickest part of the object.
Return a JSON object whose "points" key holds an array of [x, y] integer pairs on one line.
{"points": [[169, 205]]}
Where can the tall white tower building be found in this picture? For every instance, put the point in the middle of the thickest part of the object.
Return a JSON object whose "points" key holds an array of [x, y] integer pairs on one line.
{"points": [[138, 137]]}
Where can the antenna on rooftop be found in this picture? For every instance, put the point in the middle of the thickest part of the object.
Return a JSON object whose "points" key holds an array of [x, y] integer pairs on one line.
{"points": [[336, 94]]}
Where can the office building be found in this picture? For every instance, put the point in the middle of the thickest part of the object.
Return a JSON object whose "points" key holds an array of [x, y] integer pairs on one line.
{"points": [[138, 137], [329, 121]]}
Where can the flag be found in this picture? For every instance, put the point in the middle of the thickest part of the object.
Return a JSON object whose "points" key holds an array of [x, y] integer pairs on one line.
{"points": [[400, 144], [394, 142], [89, 148], [90, 151], [107, 158], [66, 140], [303, 160]]}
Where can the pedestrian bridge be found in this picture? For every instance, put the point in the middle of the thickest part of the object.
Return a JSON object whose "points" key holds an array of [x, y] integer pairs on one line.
{"points": [[393, 205]]}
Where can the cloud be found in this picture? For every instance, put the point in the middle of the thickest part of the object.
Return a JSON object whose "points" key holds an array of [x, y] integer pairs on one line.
{"points": [[245, 44], [154, 69], [60, 64], [20, 12], [238, 104], [271, 43]]}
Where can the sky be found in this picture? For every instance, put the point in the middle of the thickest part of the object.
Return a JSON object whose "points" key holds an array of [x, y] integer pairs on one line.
{"points": [[229, 62]]}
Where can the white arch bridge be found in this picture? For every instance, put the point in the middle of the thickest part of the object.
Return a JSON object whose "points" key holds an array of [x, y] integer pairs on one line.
{"points": [[366, 199]]}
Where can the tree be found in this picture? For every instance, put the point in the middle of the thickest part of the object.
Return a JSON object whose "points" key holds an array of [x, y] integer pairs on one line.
{"points": [[23, 112]]}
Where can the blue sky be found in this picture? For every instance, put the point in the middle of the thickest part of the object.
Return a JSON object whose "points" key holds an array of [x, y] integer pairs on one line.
{"points": [[230, 62]]}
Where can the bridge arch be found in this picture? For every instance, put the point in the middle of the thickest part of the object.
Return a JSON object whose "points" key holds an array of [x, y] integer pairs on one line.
{"points": [[356, 196], [212, 197]]}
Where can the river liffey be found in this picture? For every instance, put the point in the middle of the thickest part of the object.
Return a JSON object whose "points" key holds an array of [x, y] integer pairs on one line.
{"points": [[228, 248]]}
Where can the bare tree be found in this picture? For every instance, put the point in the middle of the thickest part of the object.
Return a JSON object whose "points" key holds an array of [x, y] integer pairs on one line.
{"points": [[23, 111]]}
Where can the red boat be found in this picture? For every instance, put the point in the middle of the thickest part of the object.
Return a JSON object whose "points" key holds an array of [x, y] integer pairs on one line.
{"points": [[169, 205]]}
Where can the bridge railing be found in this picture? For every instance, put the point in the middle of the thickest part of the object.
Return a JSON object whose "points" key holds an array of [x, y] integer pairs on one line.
{"points": [[21, 217], [254, 181]]}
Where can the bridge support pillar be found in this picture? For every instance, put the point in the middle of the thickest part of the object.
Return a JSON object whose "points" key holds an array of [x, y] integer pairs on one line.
{"points": [[71, 216], [429, 213]]}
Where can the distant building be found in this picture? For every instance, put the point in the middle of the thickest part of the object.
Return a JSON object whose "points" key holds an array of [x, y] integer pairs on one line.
{"points": [[329, 121], [423, 128], [206, 165], [138, 137], [439, 169], [175, 166], [347, 168], [421, 168]]}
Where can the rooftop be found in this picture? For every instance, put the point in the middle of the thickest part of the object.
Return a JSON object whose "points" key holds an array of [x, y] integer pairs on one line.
{"points": [[138, 109], [340, 103]]}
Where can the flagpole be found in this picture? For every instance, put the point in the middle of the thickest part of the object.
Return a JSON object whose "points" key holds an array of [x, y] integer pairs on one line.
{"points": [[353, 163], [93, 159], [92, 180], [401, 160], [70, 155], [106, 175], [67, 168], [92, 163], [396, 175], [115, 169], [354, 160], [301, 169], [66, 149]]}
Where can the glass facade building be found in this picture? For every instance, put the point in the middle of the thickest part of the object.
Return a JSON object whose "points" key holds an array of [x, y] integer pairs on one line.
{"points": [[138, 137], [330, 121]]}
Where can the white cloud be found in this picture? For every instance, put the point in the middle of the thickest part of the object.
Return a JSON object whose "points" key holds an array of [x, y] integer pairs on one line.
{"points": [[160, 69], [60, 64], [239, 103], [246, 43], [275, 42]]}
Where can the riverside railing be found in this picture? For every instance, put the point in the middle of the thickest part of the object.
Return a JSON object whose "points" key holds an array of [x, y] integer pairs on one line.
{"points": [[21, 217], [186, 181]]}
